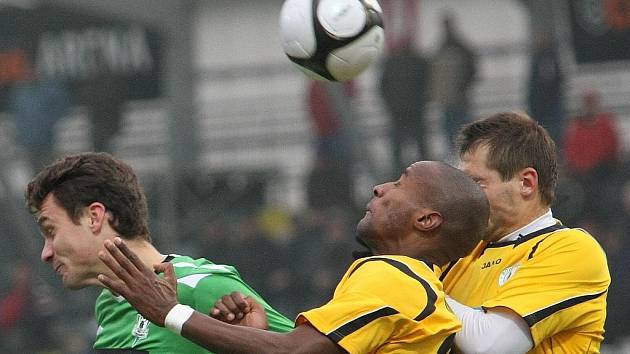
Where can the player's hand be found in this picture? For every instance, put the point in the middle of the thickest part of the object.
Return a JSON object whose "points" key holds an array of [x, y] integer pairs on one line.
{"points": [[152, 295], [238, 309]]}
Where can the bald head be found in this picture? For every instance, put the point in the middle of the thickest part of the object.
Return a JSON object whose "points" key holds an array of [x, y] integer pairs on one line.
{"points": [[461, 202]]}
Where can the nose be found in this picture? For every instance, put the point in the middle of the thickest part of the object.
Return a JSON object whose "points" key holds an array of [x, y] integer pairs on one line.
{"points": [[47, 252], [379, 190]]}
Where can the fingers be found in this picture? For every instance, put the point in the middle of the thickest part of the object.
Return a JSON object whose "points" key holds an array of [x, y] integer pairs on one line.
{"points": [[123, 267], [131, 257], [239, 302], [235, 311], [117, 287], [230, 307], [169, 272], [112, 263], [221, 312]]}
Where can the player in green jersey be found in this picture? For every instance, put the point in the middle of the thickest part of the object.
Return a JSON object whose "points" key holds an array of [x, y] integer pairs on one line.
{"points": [[82, 200]]}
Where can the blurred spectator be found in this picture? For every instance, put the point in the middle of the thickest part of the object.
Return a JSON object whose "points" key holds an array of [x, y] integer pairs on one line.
{"points": [[545, 92], [13, 306], [454, 68], [404, 91], [37, 105], [591, 150], [330, 182], [104, 97], [28, 314], [617, 246], [325, 248], [275, 250], [330, 134]]}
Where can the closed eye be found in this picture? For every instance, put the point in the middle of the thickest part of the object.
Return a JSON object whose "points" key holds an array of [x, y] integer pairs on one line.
{"points": [[48, 231], [397, 183]]}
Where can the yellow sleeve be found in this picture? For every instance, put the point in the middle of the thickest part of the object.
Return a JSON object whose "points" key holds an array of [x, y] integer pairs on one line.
{"points": [[375, 305], [561, 285]]}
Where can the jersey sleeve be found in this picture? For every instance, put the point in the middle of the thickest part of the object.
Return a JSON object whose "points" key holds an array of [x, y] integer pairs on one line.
{"points": [[371, 306], [212, 287], [561, 285]]}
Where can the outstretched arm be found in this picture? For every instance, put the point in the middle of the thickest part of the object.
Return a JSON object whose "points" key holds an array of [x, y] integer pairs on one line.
{"points": [[156, 299]]}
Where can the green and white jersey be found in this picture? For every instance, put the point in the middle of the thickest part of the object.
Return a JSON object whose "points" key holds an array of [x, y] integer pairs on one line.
{"points": [[200, 283]]}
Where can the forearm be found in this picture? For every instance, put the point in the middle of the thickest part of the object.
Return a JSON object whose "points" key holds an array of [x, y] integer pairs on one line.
{"points": [[495, 332], [221, 337]]}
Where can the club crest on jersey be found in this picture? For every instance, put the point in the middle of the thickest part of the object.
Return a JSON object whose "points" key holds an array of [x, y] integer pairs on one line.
{"points": [[507, 273], [140, 330]]}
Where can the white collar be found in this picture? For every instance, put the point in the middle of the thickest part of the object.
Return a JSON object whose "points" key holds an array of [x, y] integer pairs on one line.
{"points": [[539, 223]]}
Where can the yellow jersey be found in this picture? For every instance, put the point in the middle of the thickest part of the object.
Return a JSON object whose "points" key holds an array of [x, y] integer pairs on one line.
{"points": [[387, 304], [556, 279]]}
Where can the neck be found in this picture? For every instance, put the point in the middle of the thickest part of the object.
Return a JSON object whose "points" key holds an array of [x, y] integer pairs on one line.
{"points": [[145, 251], [415, 246], [524, 216], [436, 258]]}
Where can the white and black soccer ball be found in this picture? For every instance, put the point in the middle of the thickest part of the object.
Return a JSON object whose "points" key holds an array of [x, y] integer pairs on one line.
{"points": [[332, 40]]}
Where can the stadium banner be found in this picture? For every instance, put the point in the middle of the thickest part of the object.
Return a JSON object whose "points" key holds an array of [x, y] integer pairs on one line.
{"points": [[79, 50], [600, 30]]}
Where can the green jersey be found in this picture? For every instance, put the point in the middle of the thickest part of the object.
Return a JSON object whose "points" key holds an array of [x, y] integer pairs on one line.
{"points": [[200, 284]]}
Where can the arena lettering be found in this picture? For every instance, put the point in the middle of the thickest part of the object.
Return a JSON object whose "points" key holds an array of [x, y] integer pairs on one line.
{"points": [[81, 54], [491, 263]]}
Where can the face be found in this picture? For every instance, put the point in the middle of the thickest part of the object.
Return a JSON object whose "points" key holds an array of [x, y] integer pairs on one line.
{"points": [[70, 249], [502, 195], [389, 212]]}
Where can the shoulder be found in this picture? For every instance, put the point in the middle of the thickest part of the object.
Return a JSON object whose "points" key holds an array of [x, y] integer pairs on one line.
{"points": [[200, 282], [390, 263], [185, 265], [570, 240], [191, 272], [571, 248], [408, 285], [392, 269]]}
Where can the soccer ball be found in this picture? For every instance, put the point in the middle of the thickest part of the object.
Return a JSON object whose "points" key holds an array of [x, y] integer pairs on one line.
{"points": [[332, 40]]}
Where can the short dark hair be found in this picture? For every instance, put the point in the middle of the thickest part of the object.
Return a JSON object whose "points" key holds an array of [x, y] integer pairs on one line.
{"points": [[515, 141], [78, 180]]}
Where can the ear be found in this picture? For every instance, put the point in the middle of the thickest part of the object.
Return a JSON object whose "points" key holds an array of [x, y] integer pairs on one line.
{"points": [[529, 182], [97, 214], [427, 220]]}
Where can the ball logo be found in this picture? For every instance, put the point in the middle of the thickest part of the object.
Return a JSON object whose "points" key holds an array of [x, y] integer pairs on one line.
{"points": [[341, 13], [508, 273]]}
